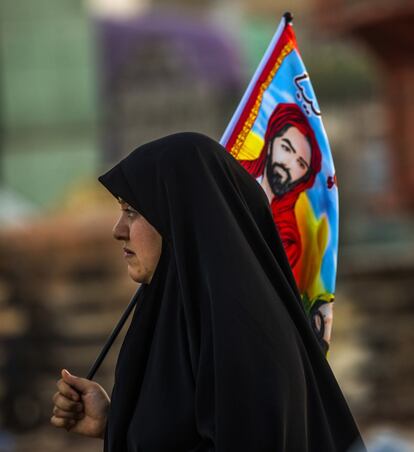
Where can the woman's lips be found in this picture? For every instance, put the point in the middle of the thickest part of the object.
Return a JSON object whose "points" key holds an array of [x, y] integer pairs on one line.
{"points": [[128, 253]]}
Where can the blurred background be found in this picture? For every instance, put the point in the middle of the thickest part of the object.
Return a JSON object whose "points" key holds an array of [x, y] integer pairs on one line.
{"points": [[82, 83]]}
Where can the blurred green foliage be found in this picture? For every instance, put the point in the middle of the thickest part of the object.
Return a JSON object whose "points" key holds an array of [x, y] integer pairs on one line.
{"points": [[48, 96]]}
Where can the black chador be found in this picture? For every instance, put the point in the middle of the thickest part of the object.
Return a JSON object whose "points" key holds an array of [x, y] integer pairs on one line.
{"points": [[220, 355]]}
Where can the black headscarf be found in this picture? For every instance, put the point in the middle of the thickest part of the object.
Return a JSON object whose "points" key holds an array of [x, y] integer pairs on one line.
{"points": [[220, 355]]}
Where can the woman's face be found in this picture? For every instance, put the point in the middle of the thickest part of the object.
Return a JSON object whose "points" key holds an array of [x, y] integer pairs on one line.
{"points": [[141, 243]]}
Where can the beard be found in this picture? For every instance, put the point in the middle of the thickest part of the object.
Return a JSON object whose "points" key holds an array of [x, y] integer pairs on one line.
{"points": [[280, 178]]}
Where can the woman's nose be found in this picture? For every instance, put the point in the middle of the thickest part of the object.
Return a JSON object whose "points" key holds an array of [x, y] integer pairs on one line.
{"points": [[120, 230]]}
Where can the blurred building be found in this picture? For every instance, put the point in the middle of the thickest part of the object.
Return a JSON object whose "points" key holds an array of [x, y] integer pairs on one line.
{"points": [[83, 83], [378, 264], [161, 73], [386, 29]]}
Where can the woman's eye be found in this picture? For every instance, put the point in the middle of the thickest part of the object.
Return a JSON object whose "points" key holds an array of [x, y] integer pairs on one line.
{"points": [[131, 213]]}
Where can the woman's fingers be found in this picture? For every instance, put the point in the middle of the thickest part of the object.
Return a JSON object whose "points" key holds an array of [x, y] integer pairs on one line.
{"points": [[67, 414], [62, 422], [80, 384], [66, 404], [67, 390], [80, 405]]}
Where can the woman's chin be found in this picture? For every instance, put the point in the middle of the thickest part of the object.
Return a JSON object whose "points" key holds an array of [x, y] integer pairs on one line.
{"points": [[136, 275], [133, 274]]}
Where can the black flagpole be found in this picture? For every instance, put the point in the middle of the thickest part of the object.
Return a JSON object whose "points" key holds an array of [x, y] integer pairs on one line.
{"points": [[113, 336]]}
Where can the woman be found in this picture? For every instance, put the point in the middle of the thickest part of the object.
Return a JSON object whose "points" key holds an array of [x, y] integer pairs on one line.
{"points": [[219, 355]]}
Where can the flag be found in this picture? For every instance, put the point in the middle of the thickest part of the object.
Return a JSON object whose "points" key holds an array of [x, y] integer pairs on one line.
{"points": [[277, 135]]}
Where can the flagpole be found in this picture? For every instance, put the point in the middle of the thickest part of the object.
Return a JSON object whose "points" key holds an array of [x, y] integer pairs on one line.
{"points": [[111, 339]]}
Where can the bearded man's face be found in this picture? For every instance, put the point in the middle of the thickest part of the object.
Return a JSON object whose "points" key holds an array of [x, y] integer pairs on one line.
{"points": [[288, 161]]}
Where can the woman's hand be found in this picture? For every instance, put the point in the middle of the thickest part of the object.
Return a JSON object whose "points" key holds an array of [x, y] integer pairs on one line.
{"points": [[81, 406]]}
